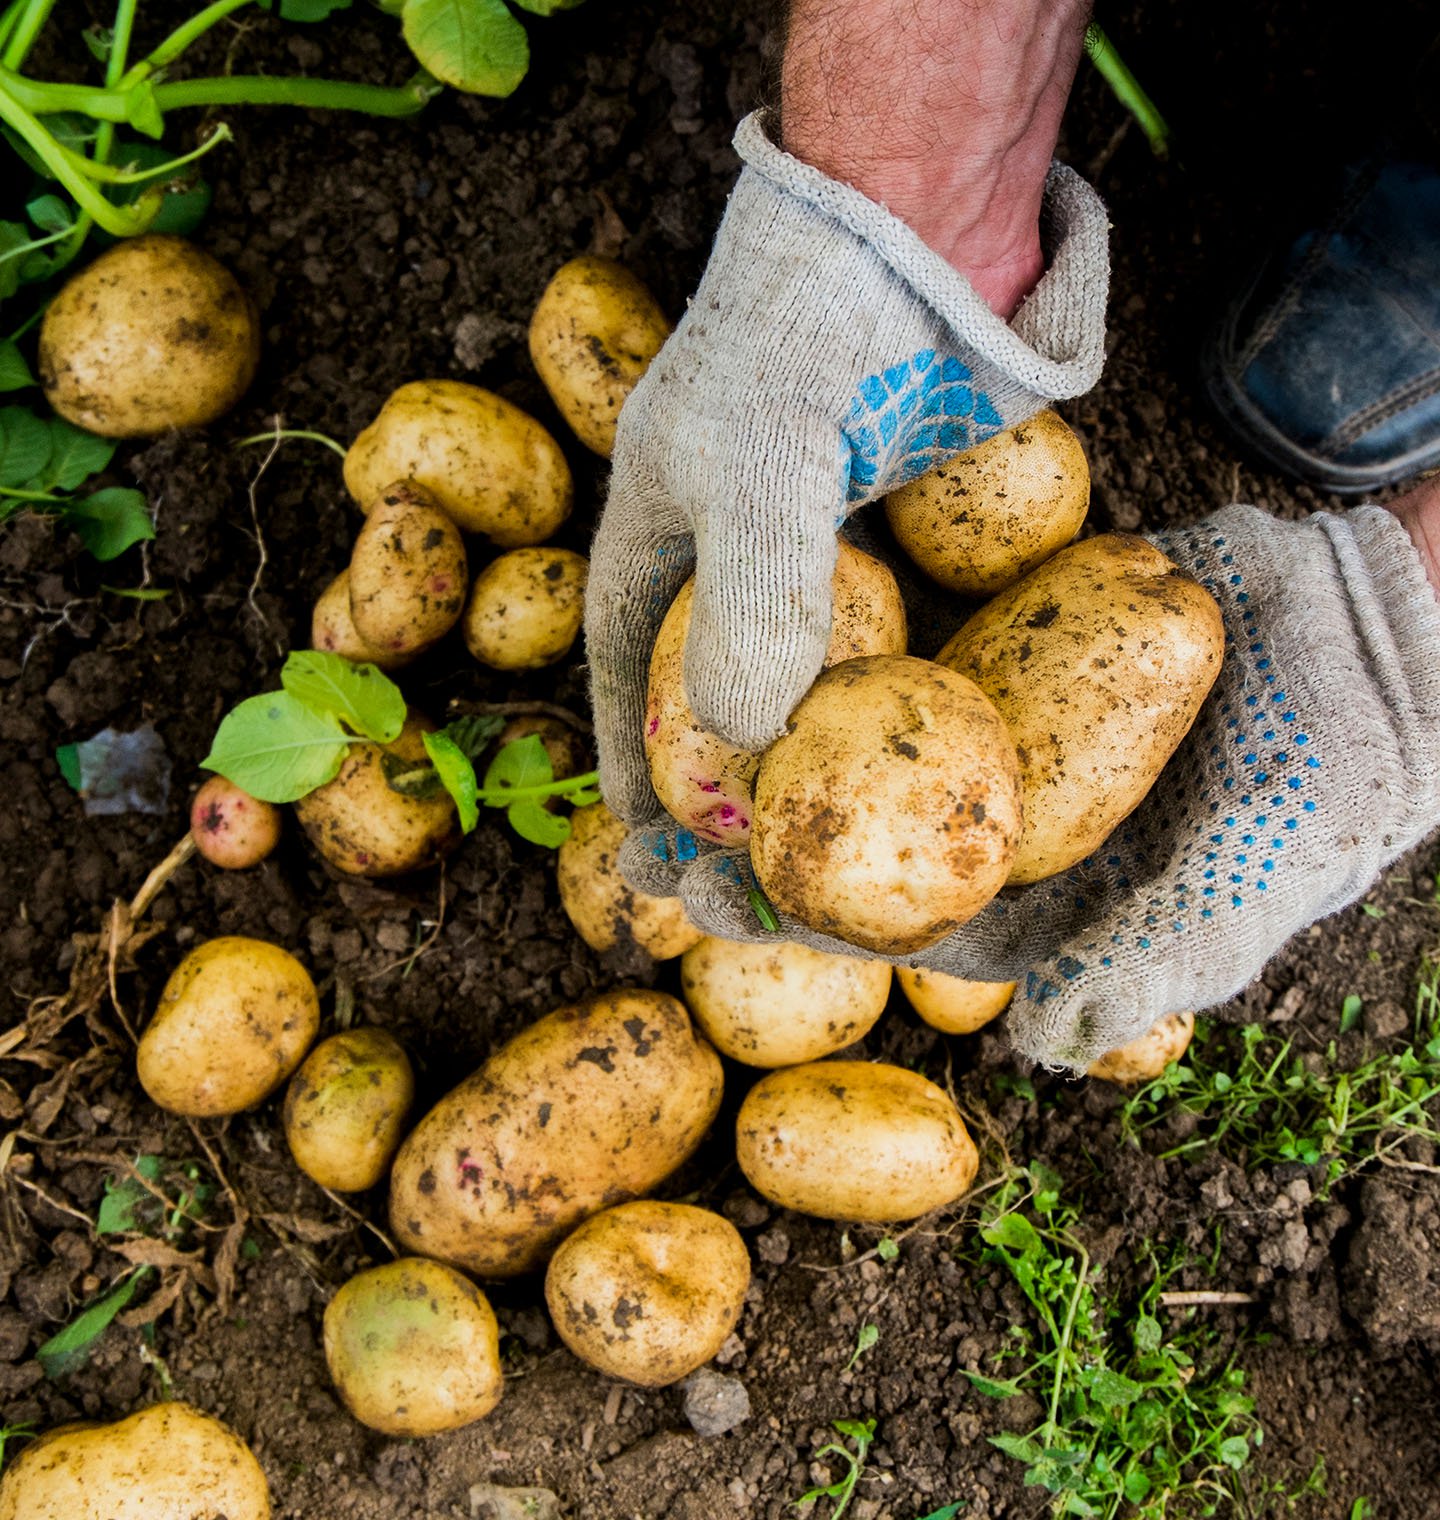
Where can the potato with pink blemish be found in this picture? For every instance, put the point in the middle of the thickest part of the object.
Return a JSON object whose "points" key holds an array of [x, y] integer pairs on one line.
{"points": [[230, 827], [700, 779], [408, 573], [333, 629]]}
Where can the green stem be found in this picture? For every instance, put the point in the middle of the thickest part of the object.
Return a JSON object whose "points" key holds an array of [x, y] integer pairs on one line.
{"points": [[19, 253], [312, 94], [280, 433], [120, 41], [1112, 69], [108, 174], [29, 322], [31, 495], [9, 21], [1062, 1359], [501, 795], [26, 29], [178, 40]]}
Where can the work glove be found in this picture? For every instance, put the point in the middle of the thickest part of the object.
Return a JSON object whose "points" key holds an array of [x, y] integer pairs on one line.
{"points": [[828, 356], [1314, 764]]}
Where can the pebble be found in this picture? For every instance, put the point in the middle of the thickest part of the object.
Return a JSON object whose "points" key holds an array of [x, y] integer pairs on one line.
{"points": [[715, 1403], [489, 1501]]}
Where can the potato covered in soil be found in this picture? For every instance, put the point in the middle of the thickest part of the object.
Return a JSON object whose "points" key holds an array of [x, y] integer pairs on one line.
{"points": [[154, 335], [781, 1003], [234, 1020], [345, 1108], [888, 813], [230, 827], [854, 1140], [1145, 1057], [526, 608], [593, 1105], [413, 1348], [332, 628], [650, 1291], [701, 779], [592, 336], [364, 827], [604, 908], [989, 516], [491, 468], [950, 1003], [1098, 662], [408, 574], [168, 1462]]}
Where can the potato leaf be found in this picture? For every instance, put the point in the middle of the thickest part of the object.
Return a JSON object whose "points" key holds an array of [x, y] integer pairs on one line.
{"points": [[474, 45], [187, 192], [109, 521], [75, 456], [361, 696], [547, 7], [142, 110], [310, 10], [531, 820], [24, 446], [14, 371], [520, 764], [65, 1351], [50, 213], [457, 774], [13, 237], [277, 748]]}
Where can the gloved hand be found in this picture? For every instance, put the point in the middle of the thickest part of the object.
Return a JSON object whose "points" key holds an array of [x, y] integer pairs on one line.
{"points": [[827, 356], [1314, 764]]}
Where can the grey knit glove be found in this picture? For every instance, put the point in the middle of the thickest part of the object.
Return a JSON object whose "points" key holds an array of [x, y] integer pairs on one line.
{"points": [[827, 356], [1314, 764]]}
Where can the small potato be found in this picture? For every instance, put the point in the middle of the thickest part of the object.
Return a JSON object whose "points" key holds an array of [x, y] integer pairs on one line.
{"points": [[593, 335], [408, 575], [1144, 1058], [951, 1004], [780, 1004], [888, 814], [650, 1291], [854, 1140], [980, 522], [491, 468], [526, 608], [700, 779], [153, 335], [1098, 662], [333, 629], [364, 827], [168, 1462], [413, 1348], [231, 828], [345, 1109], [234, 1020], [604, 908], [593, 1105]]}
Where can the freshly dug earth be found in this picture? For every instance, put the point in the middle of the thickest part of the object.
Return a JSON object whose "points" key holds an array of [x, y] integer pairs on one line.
{"points": [[385, 253]]}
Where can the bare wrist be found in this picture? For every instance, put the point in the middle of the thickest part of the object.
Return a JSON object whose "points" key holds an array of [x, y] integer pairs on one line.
{"points": [[1419, 512]]}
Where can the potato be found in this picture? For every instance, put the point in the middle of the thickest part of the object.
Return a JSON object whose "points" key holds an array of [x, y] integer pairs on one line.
{"points": [[345, 1108], [413, 1348], [1143, 1059], [604, 908], [526, 608], [992, 514], [951, 1004], [408, 575], [491, 468], [593, 335], [888, 814], [591, 1106], [364, 827], [234, 1020], [1098, 662], [231, 828], [702, 780], [333, 629], [153, 335], [168, 1462], [781, 1003], [650, 1291], [854, 1140]]}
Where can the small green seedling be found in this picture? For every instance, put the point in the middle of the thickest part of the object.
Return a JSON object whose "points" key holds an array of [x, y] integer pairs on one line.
{"points": [[69, 1348], [862, 1433], [869, 1334]]}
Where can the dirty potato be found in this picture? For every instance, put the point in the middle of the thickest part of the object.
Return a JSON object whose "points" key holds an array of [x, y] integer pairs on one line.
{"points": [[232, 829], [950, 1003], [1145, 1057], [333, 629], [408, 574], [526, 608]]}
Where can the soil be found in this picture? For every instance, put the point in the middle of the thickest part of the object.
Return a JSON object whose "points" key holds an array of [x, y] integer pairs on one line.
{"points": [[384, 252]]}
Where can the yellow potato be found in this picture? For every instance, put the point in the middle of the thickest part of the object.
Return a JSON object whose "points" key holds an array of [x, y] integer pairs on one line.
{"points": [[593, 335], [491, 468], [1145, 1057], [951, 1004], [889, 812], [413, 1348], [345, 1108], [604, 908], [781, 1003], [595, 1104], [153, 335], [408, 575], [700, 779], [333, 629], [854, 1140], [364, 827], [526, 608], [168, 1462], [234, 1020], [650, 1291], [992, 514], [1098, 662]]}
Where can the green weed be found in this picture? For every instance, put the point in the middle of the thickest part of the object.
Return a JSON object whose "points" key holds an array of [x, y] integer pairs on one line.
{"points": [[862, 1433]]}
